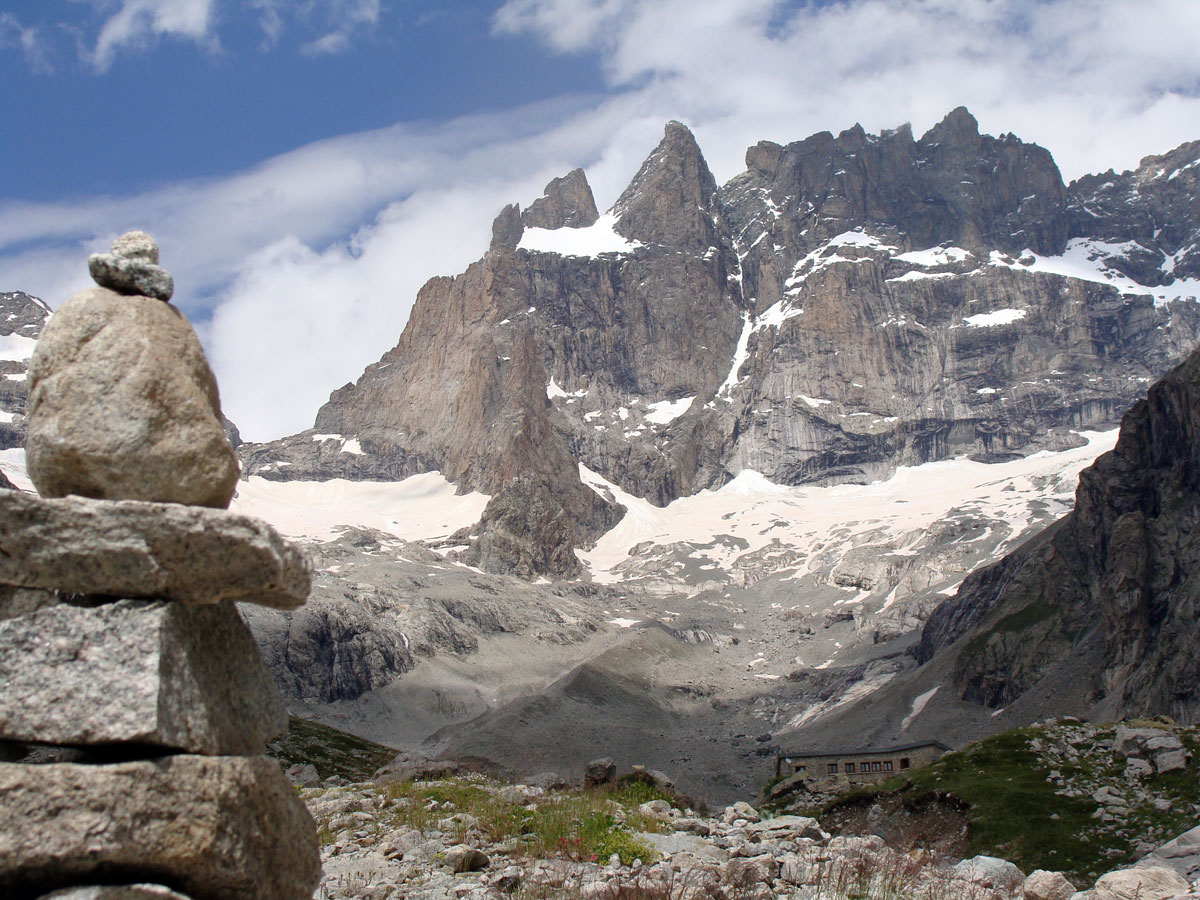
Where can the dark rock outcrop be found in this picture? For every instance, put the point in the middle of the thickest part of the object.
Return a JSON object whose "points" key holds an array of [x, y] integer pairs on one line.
{"points": [[1154, 211], [567, 202], [1117, 578], [21, 321]]}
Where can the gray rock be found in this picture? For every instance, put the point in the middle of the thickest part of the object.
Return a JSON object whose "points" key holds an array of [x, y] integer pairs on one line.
{"points": [[566, 202], [600, 771], [674, 842], [303, 775], [216, 828], [136, 245], [1181, 854], [133, 277], [1132, 741], [1171, 761], [465, 859], [123, 406], [1140, 883], [134, 549], [782, 827], [1044, 885], [990, 872], [116, 892], [144, 672]]}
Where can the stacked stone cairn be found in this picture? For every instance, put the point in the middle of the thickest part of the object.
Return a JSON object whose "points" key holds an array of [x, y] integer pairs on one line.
{"points": [[134, 706]]}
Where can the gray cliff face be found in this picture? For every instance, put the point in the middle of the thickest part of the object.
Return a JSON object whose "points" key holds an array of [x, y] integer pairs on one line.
{"points": [[846, 305], [1152, 214], [21, 319], [1114, 583]]}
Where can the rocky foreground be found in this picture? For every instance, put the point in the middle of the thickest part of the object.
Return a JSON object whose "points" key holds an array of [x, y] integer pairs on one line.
{"points": [[473, 838], [1061, 810]]}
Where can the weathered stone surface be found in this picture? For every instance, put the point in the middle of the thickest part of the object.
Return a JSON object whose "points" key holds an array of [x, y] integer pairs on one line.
{"points": [[1140, 883], [990, 872], [116, 892], [133, 549], [123, 406], [1043, 885], [785, 827], [1181, 854], [136, 245], [567, 202], [136, 671], [600, 771], [131, 275], [216, 828]]}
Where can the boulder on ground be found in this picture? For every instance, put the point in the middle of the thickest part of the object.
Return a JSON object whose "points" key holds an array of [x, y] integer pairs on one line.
{"points": [[1182, 854], [600, 771], [1140, 883], [1044, 885], [216, 828], [990, 872], [137, 672], [116, 892], [136, 549], [123, 406], [788, 827]]}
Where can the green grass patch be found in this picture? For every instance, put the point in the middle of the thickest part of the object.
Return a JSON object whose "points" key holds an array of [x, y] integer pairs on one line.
{"points": [[578, 825], [330, 751]]}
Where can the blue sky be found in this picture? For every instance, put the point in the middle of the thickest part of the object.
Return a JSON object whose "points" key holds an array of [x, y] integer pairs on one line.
{"points": [[307, 164], [157, 108]]}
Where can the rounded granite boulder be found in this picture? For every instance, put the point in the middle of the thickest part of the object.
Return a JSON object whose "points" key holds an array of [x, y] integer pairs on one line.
{"points": [[123, 406]]}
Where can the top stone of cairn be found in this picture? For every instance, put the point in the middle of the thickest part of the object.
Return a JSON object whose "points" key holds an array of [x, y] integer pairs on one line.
{"points": [[132, 268], [122, 402]]}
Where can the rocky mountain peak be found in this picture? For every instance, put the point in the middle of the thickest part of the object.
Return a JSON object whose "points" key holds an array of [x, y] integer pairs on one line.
{"points": [[567, 202], [507, 228], [671, 200], [959, 128], [1149, 217]]}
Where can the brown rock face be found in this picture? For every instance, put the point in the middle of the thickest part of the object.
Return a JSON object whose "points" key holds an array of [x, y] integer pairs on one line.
{"points": [[123, 406]]}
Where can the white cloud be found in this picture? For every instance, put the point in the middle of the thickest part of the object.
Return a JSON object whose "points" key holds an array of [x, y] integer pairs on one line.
{"points": [[26, 39], [139, 22], [1099, 82], [302, 270]]}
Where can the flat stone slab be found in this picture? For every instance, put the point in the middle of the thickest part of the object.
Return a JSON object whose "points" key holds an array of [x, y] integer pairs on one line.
{"points": [[151, 672], [211, 827], [132, 548], [116, 892]]}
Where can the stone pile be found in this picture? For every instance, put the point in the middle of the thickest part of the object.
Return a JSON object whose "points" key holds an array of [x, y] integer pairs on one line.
{"points": [[134, 706], [370, 854]]}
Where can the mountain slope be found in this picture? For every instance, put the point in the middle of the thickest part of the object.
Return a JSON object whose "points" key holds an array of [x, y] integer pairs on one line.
{"points": [[847, 305]]}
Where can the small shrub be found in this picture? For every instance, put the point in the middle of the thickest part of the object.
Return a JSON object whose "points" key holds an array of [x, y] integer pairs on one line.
{"points": [[627, 846]]}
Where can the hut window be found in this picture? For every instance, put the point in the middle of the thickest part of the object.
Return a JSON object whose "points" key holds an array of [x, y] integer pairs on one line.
{"points": [[833, 768], [887, 765], [905, 763], [849, 768]]}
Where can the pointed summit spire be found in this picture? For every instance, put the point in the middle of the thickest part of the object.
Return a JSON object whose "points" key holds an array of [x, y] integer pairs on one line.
{"points": [[567, 202], [671, 199]]}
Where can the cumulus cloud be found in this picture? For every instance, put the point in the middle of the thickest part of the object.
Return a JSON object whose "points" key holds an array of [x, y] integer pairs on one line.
{"points": [[140, 22], [303, 270], [1099, 82]]}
